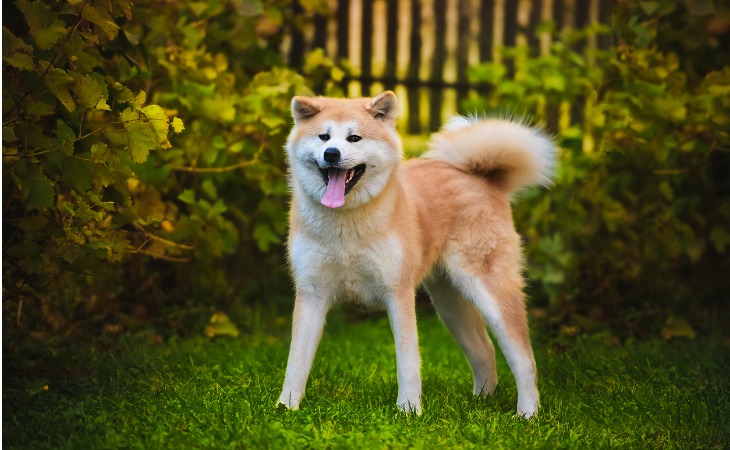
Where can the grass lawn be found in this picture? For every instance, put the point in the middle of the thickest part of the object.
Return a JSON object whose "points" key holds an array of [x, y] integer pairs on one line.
{"points": [[200, 393]]}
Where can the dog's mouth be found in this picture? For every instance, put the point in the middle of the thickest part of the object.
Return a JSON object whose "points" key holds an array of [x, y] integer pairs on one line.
{"points": [[352, 176], [339, 183]]}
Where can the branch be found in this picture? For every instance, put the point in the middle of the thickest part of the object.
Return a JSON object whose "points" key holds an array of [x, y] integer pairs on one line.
{"points": [[192, 169], [216, 169], [161, 240], [174, 259]]}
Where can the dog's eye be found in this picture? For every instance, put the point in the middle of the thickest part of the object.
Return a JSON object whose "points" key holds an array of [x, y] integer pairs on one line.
{"points": [[353, 138], [325, 136]]}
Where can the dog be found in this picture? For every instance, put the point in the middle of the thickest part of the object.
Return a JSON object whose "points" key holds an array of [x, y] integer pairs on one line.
{"points": [[366, 226]]}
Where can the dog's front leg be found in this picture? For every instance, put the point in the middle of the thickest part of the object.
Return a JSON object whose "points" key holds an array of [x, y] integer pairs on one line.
{"points": [[402, 315], [309, 317]]}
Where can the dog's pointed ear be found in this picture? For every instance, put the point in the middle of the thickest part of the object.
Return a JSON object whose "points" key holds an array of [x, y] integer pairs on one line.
{"points": [[303, 108], [384, 107]]}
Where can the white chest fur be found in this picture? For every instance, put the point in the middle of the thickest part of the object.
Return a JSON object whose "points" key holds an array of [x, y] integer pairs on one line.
{"points": [[347, 268]]}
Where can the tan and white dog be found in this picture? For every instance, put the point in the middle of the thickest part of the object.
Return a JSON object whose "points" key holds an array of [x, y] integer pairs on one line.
{"points": [[368, 227]]}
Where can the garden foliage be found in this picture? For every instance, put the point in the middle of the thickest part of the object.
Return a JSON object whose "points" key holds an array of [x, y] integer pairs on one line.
{"points": [[143, 155], [139, 136], [639, 217]]}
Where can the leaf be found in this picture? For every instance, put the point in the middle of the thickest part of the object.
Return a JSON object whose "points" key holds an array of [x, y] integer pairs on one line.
{"points": [[177, 125], [76, 173], [218, 208], [90, 90], [102, 19], [219, 108], [123, 93], [187, 196], [265, 236], [100, 152], [33, 223], [141, 136], [16, 52], [9, 134], [221, 325], [65, 137], [159, 121], [720, 238], [59, 82], [677, 327], [37, 189], [43, 23], [38, 108], [101, 105], [139, 100]]}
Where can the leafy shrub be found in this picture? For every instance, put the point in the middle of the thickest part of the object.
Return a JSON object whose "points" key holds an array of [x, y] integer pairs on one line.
{"points": [[137, 137], [637, 223]]}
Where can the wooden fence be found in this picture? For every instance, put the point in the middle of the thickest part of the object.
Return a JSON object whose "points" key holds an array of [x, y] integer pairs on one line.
{"points": [[421, 49]]}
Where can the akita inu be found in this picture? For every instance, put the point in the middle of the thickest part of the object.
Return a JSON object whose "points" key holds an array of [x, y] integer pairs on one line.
{"points": [[368, 227]]}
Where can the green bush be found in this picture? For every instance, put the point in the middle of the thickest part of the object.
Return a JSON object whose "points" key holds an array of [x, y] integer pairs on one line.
{"points": [[137, 137], [638, 223]]}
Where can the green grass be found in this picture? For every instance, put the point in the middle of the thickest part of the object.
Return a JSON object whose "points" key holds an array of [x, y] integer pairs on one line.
{"points": [[197, 393]]}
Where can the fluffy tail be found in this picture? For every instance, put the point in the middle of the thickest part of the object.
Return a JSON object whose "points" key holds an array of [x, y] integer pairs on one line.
{"points": [[509, 153]]}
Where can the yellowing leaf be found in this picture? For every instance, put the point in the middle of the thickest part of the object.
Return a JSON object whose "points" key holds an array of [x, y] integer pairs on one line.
{"points": [[187, 196], [43, 22], [16, 52], [102, 105], [221, 325], [218, 108], [89, 91], [139, 100], [177, 125], [160, 122], [58, 82], [337, 74], [102, 19], [677, 327], [141, 136], [39, 108]]}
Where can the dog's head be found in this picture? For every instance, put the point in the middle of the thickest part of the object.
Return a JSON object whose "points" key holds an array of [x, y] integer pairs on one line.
{"points": [[343, 147]]}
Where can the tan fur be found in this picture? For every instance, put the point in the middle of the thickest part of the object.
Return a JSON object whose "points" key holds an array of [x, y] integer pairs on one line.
{"points": [[445, 220]]}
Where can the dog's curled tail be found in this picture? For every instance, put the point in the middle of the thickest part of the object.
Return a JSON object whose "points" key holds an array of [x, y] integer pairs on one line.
{"points": [[510, 154]]}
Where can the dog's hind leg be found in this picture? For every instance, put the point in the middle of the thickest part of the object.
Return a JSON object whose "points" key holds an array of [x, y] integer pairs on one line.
{"points": [[310, 313], [468, 328], [497, 294]]}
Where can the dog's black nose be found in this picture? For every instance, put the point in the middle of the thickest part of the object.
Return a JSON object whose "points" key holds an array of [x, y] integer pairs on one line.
{"points": [[331, 155]]}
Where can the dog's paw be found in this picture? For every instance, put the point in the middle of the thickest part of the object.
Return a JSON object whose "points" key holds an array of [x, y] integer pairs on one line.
{"points": [[527, 409], [410, 406], [289, 400], [485, 389]]}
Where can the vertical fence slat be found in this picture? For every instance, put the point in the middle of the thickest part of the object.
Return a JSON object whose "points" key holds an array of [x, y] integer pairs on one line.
{"points": [[510, 32], [366, 47], [391, 45], [486, 40], [533, 40], [343, 19], [414, 125], [320, 32], [296, 51], [558, 14], [437, 63], [462, 50]]}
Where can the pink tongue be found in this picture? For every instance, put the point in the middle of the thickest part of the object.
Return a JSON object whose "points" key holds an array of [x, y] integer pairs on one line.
{"points": [[335, 195]]}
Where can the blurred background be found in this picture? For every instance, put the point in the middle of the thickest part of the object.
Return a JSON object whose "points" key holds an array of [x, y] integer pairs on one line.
{"points": [[144, 178]]}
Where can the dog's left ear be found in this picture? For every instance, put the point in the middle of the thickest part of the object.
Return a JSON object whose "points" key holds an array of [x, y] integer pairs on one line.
{"points": [[384, 107]]}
